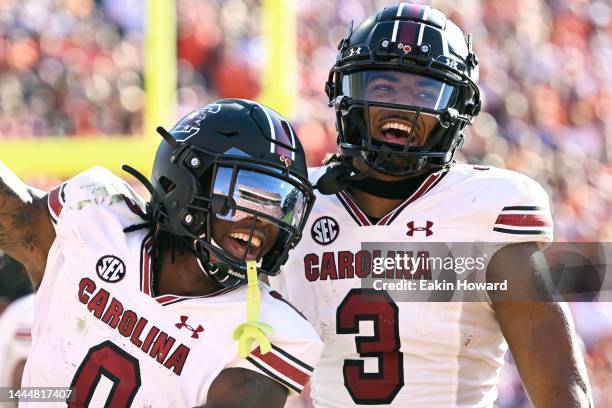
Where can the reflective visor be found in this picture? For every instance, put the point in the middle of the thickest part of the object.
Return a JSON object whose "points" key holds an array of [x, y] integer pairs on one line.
{"points": [[254, 192], [402, 88]]}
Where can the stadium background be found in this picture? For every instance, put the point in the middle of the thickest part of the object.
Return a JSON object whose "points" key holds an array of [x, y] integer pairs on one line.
{"points": [[73, 94]]}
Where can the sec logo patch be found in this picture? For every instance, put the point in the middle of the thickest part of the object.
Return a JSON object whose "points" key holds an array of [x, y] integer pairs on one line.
{"points": [[325, 230], [110, 269]]}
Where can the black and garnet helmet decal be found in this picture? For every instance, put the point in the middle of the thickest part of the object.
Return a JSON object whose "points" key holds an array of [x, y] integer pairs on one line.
{"points": [[238, 161], [411, 44]]}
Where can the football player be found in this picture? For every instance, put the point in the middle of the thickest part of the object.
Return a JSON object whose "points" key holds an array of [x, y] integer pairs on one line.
{"points": [[138, 303], [15, 340], [404, 88]]}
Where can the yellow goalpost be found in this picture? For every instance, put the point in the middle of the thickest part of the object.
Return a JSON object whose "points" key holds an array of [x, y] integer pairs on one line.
{"points": [[66, 156]]}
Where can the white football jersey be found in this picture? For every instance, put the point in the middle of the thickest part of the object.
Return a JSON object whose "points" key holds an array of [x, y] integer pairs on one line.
{"points": [[408, 354], [101, 330], [15, 336]]}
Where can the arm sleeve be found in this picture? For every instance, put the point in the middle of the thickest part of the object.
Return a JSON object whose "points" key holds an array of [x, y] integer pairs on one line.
{"points": [[525, 216], [79, 202], [296, 348]]}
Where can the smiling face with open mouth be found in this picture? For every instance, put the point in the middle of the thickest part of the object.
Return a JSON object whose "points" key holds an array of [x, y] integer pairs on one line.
{"points": [[233, 237], [396, 126]]}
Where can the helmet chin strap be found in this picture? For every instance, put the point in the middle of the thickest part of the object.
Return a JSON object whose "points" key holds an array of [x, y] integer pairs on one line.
{"points": [[341, 176], [344, 175], [210, 268]]}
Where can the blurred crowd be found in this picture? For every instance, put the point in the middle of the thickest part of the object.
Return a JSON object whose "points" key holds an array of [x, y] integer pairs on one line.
{"points": [[70, 67], [74, 67]]}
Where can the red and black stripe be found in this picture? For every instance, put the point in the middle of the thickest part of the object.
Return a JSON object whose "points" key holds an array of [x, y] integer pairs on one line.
{"points": [[413, 11], [523, 220], [283, 363], [354, 211], [56, 201], [284, 139], [407, 32]]}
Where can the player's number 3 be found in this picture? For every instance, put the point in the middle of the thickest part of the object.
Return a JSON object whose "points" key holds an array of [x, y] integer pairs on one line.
{"points": [[378, 307], [115, 364]]}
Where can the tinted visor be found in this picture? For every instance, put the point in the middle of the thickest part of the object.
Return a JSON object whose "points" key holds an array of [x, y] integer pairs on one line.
{"points": [[250, 193], [401, 88]]}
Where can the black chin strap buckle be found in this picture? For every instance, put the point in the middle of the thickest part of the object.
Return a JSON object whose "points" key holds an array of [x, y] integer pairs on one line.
{"points": [[449, 116], [335, 179], [381, 156]]}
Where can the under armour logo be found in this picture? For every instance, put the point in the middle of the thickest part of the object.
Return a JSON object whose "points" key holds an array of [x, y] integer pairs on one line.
{"points": [[355, 51], [194, 332], [452, 63], [426, 228]]}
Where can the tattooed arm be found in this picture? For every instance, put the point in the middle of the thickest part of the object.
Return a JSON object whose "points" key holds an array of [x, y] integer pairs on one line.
{"points": [[26, 232]]}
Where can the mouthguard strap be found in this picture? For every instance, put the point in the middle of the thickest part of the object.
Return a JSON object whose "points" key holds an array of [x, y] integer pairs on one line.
{"points": [[253, 329]]}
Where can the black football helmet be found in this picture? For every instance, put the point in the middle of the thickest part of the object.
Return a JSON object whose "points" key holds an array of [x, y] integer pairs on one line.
{"points": [[407, 73], [238, 161]]}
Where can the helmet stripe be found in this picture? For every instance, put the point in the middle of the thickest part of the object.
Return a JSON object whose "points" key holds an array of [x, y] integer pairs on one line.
{"points": [[283, 137], [425, 13], [444, 44], [280, 136], [396, 24], [421, 29], [292, 135], [414, 10], [284, 143], [408, 32], [272, 130]]}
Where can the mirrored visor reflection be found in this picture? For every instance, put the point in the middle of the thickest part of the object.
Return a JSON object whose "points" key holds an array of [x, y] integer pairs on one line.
{"points": [[402, 88], [272, 196]]}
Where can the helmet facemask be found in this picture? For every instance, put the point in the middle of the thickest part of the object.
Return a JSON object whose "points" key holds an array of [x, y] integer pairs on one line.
{"points": [[240, 209], [256, 214], [411, 114]]}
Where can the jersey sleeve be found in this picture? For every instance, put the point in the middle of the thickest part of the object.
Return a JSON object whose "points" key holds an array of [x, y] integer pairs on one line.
{"points": [[525, 215], [296, 348], [80, 200]]}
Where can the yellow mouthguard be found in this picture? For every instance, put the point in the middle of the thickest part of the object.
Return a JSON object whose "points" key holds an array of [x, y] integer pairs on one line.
{"points": [[253, 330]]}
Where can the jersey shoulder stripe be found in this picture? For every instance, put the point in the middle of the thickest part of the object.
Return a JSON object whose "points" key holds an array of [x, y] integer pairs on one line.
{"points": [[283, 367], [523, 220], [56, 201], [290, 357]]}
